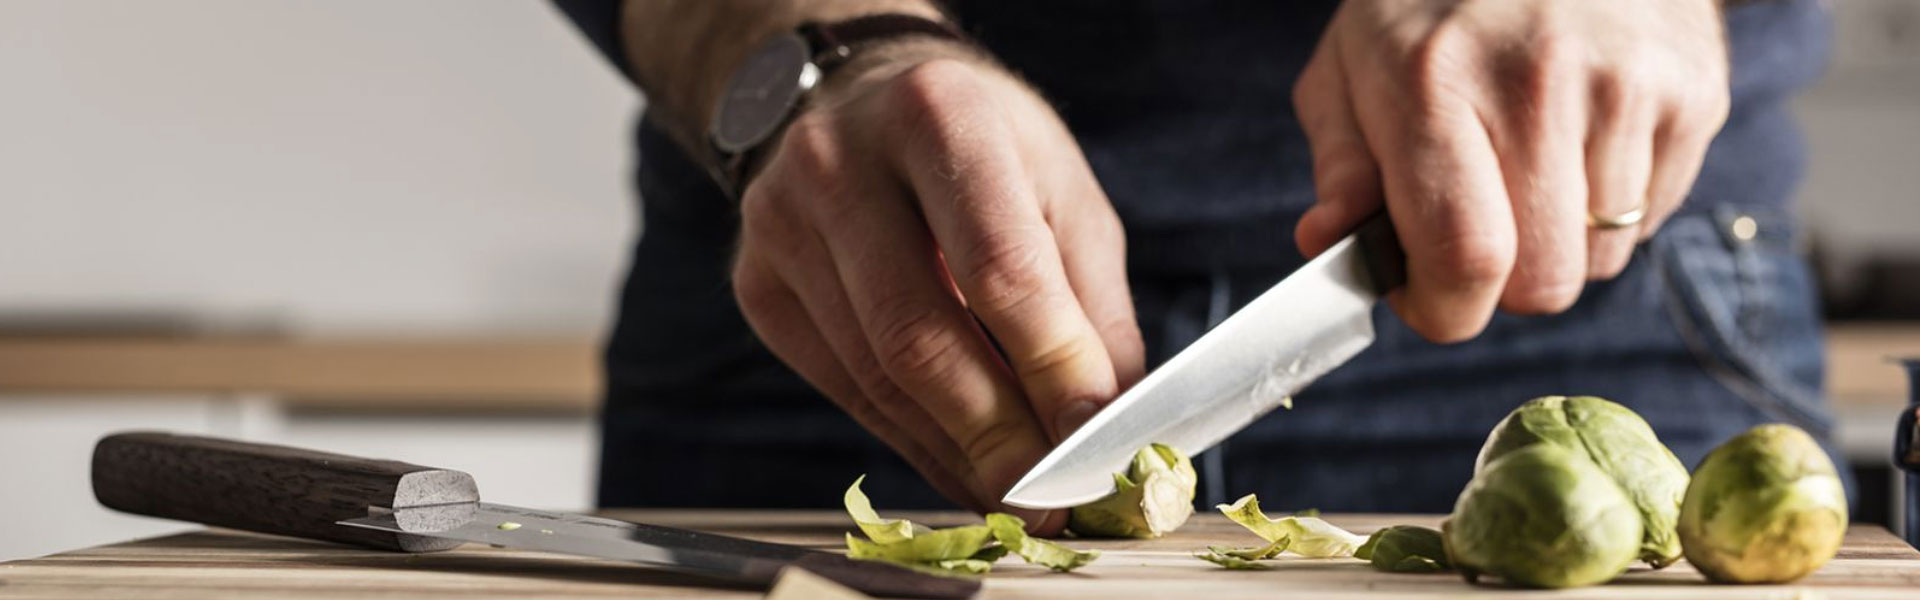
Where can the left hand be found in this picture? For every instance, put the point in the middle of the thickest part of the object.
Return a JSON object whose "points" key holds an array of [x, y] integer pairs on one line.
{"points": [[1491, 129]]}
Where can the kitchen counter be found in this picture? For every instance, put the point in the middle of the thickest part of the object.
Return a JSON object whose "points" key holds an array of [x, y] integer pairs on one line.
{"points": [[215, 564]]}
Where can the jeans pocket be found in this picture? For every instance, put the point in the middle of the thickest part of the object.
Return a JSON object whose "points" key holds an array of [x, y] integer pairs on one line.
{"points": [[1743, 301]]}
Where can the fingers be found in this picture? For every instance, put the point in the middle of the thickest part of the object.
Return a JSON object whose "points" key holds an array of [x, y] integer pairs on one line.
{"points": [[788, 330], [1680, 146], [1346, 179], [1619, 166], [982, 209], [1538, 136], [1093, 251], [1450, 210], [906, 337]]}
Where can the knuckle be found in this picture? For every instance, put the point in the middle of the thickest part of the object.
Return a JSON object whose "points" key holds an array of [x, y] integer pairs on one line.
{"points": [[937, 102], [1453, 330], [810, 148], [983, 442], [1544, 295], [1002, 271], [1434, 62], [768, 222], [910, 344], [755, 292], [1473, 261]]}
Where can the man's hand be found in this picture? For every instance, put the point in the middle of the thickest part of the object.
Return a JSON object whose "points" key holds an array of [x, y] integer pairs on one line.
{"points": [[924, 201], [1492, 128]]}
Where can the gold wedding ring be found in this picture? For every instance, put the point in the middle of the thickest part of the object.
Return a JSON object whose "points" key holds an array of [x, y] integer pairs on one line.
{"points": [[1620, 221]]}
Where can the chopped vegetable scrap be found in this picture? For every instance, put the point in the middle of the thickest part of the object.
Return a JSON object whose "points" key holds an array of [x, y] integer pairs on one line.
{"points": [[1405, 549], [964, 550], [1011, 531], [1311, 537]]}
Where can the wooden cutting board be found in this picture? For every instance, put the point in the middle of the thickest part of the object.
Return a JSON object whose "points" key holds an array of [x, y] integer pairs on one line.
{"points": [[220, 564]]}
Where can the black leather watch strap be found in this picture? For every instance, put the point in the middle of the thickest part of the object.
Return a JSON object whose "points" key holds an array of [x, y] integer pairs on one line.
{"points": [[832, 45]]}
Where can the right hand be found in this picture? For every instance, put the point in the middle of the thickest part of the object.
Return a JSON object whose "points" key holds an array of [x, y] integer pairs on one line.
{"points": [[909, 198]]}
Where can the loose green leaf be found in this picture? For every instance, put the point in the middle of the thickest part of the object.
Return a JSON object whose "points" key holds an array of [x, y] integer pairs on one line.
{"points": [[1012, 533], [956, 543], [883, 531], [1311, 536], [1272, 550], [1405, 549], [1230, 561]]}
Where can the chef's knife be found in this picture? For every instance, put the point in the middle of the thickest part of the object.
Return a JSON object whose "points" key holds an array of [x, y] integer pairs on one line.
{"points": [[1296, 331], [393, 505]]}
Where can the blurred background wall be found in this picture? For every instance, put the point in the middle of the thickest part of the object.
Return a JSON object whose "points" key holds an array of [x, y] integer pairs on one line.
{"points": [[355, 169], [292, 174]]}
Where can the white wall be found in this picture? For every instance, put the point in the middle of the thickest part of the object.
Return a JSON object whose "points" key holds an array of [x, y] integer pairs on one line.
{"points": [[320, 167], [1862, 193], [326, 166]]}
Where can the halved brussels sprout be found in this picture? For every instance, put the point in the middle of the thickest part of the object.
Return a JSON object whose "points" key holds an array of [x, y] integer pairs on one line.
{"points": [[1153, 497]]}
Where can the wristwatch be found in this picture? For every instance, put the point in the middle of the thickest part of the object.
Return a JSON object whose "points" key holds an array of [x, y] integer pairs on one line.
{"points": [[762, 94]]}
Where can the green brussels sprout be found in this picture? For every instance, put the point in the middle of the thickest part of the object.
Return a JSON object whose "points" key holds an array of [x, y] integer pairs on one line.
{"points": [[1405, 549], [1764, 507], [1542, 516], [1153, 497], [1619, 442]]}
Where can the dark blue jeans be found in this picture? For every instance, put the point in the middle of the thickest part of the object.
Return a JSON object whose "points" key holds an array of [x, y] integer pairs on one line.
{"points": [[1707, 333]]}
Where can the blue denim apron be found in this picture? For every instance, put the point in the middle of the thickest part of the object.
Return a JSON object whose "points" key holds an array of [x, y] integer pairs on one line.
{"points": [[1183, 110]]}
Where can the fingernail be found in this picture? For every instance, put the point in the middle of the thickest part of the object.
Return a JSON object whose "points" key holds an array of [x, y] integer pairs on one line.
{"points": [[1073, 416]]}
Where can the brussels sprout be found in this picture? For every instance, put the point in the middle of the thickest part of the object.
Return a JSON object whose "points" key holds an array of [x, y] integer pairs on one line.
{"points": [[1404, 549], [1616, 440], [1542, 516], [1765, 507], [1153, 497]]}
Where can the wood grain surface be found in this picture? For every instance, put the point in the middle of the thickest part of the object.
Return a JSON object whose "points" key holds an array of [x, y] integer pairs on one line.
{"points": [[226, 565]]}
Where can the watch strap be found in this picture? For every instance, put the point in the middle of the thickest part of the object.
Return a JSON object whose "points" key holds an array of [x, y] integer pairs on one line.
{"points": [[832, 45]]}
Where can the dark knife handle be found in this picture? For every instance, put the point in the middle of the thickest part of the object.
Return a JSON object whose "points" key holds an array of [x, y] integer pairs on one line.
{"points": [[268, 489], [1380, 250]]}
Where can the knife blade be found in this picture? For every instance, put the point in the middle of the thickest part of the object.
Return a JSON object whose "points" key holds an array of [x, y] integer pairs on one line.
{"points": [[1312, 321], [393, 505]]}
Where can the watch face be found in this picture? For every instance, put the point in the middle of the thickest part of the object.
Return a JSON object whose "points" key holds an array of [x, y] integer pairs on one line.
{"points": [[762, 92]]}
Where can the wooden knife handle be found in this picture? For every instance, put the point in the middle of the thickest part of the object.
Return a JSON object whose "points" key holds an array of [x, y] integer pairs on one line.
{"points": [[1386, 261], [268, 489]]}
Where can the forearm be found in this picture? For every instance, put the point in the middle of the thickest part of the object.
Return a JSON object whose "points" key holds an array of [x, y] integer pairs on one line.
{"points": [[682, 51]]}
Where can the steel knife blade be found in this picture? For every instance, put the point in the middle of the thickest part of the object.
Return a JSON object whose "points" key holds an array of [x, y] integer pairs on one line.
{"points": [[1303, 327], [736, 559]]}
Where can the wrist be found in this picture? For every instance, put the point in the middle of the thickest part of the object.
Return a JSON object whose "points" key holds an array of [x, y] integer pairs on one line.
{"points": [[884, 61]]}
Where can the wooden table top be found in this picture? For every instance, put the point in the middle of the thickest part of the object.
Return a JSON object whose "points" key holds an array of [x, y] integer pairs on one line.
{"points": [[217, 565]]}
